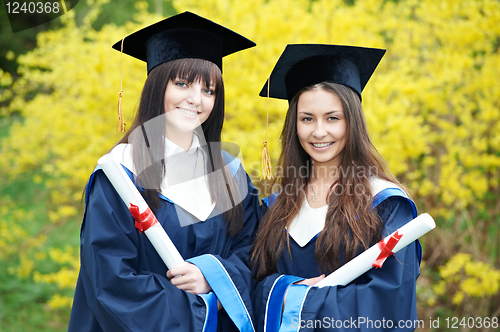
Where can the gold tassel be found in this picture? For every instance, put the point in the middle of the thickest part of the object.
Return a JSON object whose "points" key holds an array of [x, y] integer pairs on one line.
{"points": [[267, 173], [266, 164], [120, 123]]}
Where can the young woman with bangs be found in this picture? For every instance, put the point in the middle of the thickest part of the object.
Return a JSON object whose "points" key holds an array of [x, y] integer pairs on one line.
{"points": [[347, 202], [200, 194]]}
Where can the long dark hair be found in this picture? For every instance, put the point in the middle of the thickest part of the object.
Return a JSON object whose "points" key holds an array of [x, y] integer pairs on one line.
{"points": [[149, 144], [350, 223]]}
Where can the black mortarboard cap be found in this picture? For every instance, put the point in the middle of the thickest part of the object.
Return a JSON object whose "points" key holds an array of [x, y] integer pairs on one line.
{"points": [[185, 35], [303, 65]]}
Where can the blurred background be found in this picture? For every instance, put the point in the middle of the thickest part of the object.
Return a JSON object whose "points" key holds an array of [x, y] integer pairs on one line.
{"points": [[432, 107]]}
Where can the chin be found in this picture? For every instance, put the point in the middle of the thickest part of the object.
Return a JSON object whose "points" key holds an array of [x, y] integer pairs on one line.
{"points": [[322, 159], [185, 127], [189, 124]]}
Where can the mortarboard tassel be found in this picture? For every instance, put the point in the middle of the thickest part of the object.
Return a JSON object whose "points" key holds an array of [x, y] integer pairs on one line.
{"points": [[120, 123], [120, 113], [266, 159]]}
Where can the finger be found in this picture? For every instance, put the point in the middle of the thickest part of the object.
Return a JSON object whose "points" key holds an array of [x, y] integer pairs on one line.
{"points": [[316, 279], [187, 289], [181, 280], [178, 270], [191, 291], [174, 274], [187, 286], [219, 306]]}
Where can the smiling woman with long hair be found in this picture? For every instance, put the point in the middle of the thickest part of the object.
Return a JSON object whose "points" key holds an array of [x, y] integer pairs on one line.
{"points": [[200, 194], [346, 202]]}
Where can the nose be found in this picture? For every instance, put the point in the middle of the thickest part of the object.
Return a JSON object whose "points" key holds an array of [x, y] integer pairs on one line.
{"points": [[194, 96], [319, 130]]}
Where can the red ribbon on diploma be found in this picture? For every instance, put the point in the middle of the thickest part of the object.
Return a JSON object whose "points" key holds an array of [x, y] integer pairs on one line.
{"points": [[386, 249], [142, 220]]}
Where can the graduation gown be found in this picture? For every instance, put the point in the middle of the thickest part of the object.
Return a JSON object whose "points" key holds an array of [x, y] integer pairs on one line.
{"points": [[380, 300], [122, 284]]}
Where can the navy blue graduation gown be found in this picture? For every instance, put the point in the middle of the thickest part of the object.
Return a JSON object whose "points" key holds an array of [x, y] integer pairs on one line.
{"points": [[122, 284], [380, 300]]}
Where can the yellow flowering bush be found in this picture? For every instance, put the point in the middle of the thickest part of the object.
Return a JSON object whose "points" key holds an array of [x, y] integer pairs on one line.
{"points": [[5, 91], [11, 230], [470, 287], [65, 278]]}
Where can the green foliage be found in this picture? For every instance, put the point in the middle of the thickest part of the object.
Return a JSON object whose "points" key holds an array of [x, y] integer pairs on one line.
{"points": [[432, 109], [25, 237]]}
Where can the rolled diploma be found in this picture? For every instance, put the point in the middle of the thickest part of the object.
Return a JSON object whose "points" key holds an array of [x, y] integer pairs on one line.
{"points": [[130, 195], [362, 263]]}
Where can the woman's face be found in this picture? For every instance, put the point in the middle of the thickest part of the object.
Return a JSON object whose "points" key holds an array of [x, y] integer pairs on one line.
{"points": [[187, 105], [321, 126]]}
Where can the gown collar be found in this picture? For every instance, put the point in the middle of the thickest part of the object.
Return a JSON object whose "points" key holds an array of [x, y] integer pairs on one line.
{"points": [[188, 187], [310, 222], [171, 148]]}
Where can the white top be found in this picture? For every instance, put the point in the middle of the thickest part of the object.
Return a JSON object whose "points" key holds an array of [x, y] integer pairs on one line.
{"points": [[185, 182], [171, 148], [309, 221]]}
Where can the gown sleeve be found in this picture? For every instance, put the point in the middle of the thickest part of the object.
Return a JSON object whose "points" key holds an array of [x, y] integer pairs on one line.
{"points": [[380, 300], [230, 277], [115, 292]]}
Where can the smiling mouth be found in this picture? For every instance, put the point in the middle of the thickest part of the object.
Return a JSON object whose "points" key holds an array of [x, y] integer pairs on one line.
{"points": [[188, 112], [321, 145]]}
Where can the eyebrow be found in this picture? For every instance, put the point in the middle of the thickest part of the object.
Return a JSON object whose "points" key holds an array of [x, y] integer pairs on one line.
{"points": [[327, 113], [180, 78]]}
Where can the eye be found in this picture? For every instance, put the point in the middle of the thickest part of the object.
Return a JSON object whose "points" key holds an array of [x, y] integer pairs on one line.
{"points": [[181, 84], [210, 92], [333, 118], [306, 119]]}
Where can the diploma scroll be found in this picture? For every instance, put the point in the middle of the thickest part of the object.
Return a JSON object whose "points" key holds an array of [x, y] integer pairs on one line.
{"points": [[131, 197], [364, 262]]}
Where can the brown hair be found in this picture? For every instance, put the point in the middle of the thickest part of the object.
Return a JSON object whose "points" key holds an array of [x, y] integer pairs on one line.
{"points": [[223, 189], [350, 223]]}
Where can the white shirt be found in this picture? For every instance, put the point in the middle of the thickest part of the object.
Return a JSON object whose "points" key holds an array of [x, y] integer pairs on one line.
{"points": [[309, 221], [185, 182]]}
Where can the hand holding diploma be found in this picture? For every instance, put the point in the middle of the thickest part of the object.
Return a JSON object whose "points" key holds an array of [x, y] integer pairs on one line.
{"points": [[145, 219], [188, 277], [376, 254]]}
